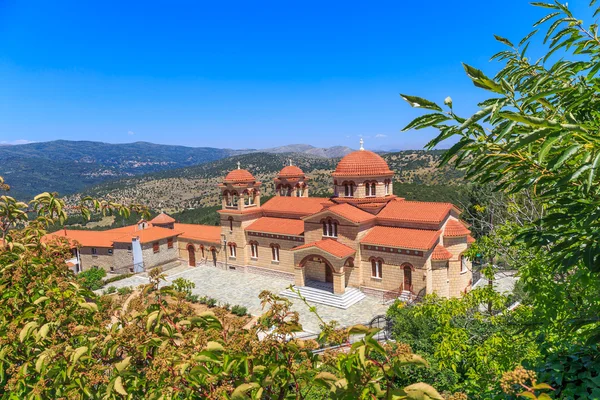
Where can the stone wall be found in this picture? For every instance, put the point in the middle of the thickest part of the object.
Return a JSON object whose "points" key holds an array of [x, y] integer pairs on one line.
{"points": [[265, 255], [163, 256], [103, 258], [315, 271], [393, 273], [203, 257]]}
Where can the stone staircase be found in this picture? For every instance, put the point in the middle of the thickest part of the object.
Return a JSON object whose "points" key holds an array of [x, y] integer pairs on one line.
{"points": [[350, 297]]}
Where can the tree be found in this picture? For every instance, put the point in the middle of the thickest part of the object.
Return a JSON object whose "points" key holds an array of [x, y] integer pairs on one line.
{"points": [[539, 132]]}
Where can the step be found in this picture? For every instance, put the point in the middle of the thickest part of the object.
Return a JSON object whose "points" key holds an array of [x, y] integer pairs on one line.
{"points": [[350, 297]]}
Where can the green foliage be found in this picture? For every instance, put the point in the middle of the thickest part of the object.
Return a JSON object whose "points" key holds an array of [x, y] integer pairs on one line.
{"points": [[117, 278], [183, 286], [210, 302], [111, 290], [92, 278], [468, 348], [239, 310], [125, 290]]}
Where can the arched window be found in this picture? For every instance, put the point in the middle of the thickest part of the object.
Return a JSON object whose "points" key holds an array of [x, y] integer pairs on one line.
{"points": [[235, 199], [373, 189], [367, 189], [254, 249], [227, 196], [377, 268], [348, 189], [202, 250], [330, 228], [230, 224], [232, 250], [275, 252]]}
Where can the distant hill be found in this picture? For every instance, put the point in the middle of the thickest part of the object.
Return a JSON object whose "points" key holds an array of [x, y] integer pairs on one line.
{"points": [[70, 166], [196, 186]]}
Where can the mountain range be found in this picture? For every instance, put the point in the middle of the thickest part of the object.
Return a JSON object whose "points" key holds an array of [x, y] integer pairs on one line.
{"points": [[70, 166]]}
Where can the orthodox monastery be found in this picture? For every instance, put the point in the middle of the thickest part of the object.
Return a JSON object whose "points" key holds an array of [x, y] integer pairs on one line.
{"points": [[363, 238]]}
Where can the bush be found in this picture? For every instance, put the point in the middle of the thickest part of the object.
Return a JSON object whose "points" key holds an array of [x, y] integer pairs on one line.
{"points": [[239, 310], [124, 290], [192, 298], [92, 278], [117, 278], [226, 306], [110, 290], [211, 302], [203, 300]]}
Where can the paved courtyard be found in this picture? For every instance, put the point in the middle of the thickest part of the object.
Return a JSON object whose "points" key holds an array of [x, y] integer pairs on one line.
{"points": [[243, 289]]}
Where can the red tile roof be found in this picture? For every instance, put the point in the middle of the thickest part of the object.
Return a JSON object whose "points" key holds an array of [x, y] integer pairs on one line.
{"points": [[162, 218], [362, 163], [148, 235], [455, 228], [203, 233], [238, 176], [406, 238], [415, 211], [350, 213], [277, 225], [330, 246], [297, 206], [440, 253], [290, 171], [86, 238], [470, 239]]}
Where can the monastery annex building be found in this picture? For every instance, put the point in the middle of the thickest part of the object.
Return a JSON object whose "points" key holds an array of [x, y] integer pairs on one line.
{"points": [[362, 239]]}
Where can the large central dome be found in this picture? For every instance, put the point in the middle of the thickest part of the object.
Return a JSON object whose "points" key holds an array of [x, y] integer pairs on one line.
{"points": [[362, 163]]}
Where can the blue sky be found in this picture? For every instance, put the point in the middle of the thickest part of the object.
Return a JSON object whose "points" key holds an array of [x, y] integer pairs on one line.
{"points": [[242, 74]]}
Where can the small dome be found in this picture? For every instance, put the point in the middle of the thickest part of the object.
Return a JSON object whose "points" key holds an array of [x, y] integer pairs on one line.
{"points": [[362, 163], [239, 176], [290, 171]]}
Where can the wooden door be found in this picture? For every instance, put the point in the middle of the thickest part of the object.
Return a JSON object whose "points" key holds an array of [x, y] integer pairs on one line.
{"points": [[214, 257], [407, 278], [328, 274], [192, 256]]}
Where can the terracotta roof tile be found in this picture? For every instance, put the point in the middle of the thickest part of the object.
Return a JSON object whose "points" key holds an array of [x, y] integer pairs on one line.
{"points": [[238, 176], [297, 206], [162, 218], [86, 238], [441, 253], [470, 239], [415, 211], [455, 228], [290, 171], [350, 213], [406, 238], [330, 246], [277, 225], [148, 235], [362, 163], [203, 233]]}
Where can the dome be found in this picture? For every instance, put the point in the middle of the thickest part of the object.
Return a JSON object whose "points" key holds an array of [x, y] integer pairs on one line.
{"points": [[162, 218], [290, 171], [362, 163], [239, 176]]}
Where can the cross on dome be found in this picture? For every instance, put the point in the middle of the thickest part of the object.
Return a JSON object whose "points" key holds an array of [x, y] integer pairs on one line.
{"points": [[361, 144], [239, 165], [290, 162]]}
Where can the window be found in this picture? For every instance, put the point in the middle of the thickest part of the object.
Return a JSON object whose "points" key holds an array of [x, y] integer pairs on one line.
{"points": [[156, 247], [170, 243], [202, 249], [232, 250], [376, 268], [94, 250], [129, 248], [275, 252], [463, 264], [230, 224], [110, 251], [254, 249], [348, 189], [387, 187], [112, 269], [228, 199], [330, 228], [373, 189]]}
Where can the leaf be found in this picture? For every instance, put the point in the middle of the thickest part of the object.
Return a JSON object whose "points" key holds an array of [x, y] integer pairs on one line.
{"points": [[503, 40], [240, 392], [151, 318], [476, 117], [481, 80], [89, 306], [419, 102], [413, 359], [26, 330], [121, 365], [556, 163], [542, 385], [422, 391], [78, 353], [326, 376], [214, 346], [39, 364], [43, 332], [528, 395], [426, 120], [593, 171], [41, 299], [119, 386], [358, 329], [547, 145]]}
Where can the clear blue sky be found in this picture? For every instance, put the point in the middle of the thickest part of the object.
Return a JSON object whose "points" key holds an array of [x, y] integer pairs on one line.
{"points": [[241, 73]]}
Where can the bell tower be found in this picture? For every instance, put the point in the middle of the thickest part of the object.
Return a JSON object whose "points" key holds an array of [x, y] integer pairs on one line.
{"points": [[291, 182]]}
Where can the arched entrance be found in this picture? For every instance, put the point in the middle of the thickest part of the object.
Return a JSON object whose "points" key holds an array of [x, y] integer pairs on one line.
{"points": [[318, 272], [408, 278], [328, 273], [191, 255]]}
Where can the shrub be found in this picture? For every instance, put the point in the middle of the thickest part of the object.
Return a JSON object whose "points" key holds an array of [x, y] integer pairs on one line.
{"points": [[226, 306], [211, 302], [239, 310], [111, 290], [92, 278], [193, 298], [124, 290], [202, 300], [117, 278]]}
